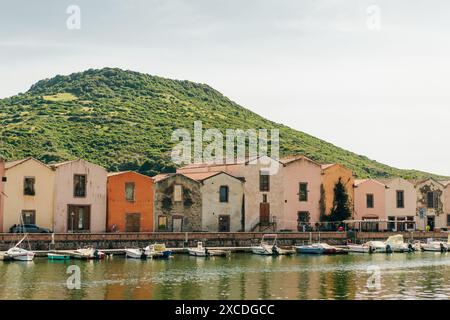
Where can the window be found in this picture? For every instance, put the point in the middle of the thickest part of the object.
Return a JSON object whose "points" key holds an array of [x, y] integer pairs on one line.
{"points": [[391, 224], [410, 224], [264, 181], [369, 200], [177, 193], [400, 199], [264, 198], [79, 185], [162, 222], [431, 200], [28, 217], [223, 192], [448, 220], [303, 191], [28, 186], [129, 191]]}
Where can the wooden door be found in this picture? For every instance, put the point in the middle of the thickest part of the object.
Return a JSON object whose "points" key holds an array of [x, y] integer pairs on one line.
{"points": [[79, 218], [133, 222], [264, 213], [224, 223]]}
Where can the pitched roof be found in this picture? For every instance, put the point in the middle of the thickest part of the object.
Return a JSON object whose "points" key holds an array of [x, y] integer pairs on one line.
{"points": [[58, 164], [201, 176], [289, 159], [417, 182], [361, 181], [10, 164], [328, 165], [113, 174]]}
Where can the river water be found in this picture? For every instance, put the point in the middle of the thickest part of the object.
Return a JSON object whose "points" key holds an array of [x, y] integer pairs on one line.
{"points": [[239, 276]]}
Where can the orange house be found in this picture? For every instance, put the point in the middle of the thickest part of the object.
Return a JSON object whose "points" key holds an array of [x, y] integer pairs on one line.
{"points": [[130, 202]]}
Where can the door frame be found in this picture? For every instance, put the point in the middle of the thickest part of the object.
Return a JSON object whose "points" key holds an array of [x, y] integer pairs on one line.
{"points": [[70, 223], [177, 217], [127, 214], [261, 206], [228, 219]]}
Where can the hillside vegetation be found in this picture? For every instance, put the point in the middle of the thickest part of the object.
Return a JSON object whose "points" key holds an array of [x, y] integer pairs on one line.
{"points": [[123, 120]]}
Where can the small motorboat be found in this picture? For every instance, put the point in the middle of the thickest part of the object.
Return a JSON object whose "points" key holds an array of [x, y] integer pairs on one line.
{"points": [[310, 249], [20, 254], [397, 244], [359, 248], [157, 251], [88, 254], [435, 246], [199, 251], [379, 247], [283, 251], [135, 253], [320, 248], [267, 246], [56, 256], [217, 252]]}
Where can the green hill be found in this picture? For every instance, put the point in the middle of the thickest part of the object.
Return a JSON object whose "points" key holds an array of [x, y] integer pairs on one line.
{"points": [[123, 120]]}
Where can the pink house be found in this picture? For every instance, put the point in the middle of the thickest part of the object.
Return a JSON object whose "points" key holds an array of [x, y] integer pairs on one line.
{"points": [[301, 189], [370, 204], [2, 178]]}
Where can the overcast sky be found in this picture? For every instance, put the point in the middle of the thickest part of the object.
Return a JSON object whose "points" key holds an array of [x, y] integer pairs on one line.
{"points": [[368, 76]]}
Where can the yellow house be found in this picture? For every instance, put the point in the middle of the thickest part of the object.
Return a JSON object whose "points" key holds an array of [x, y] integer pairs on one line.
{"points": [[29, 193], [331, 173]]}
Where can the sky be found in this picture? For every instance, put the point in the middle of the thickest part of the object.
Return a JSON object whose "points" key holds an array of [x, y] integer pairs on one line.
{"points": [[368, 76]]}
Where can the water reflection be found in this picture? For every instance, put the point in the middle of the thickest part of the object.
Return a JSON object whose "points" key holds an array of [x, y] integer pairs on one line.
{"points": [[241, 276]]}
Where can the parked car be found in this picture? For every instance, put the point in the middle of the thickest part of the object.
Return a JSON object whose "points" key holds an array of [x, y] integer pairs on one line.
{"points": [[28, 228]]}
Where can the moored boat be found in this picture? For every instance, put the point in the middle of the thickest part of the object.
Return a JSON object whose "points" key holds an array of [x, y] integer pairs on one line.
{"points": [[56, 256], [435, 246], [88, 254], [397, 244], [134, 253], [310, 249], [359, 248], [20, 254], [267, 246], [198, 251], [157, 251]]}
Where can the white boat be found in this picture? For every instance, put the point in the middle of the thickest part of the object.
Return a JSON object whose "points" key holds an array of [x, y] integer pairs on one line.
{"points": [[134, 253], [267, 245], [17, 253], [88, 253], [198, 251], [157, 250], [397, 244], [320, 248], [379, 247], [436, 246], [359, 248]]}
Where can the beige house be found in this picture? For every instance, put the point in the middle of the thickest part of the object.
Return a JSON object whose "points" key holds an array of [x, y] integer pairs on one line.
{"points": [[29, 194], [446, 204], [401, 204], [80, 197], [222, 201], [430, 204]]}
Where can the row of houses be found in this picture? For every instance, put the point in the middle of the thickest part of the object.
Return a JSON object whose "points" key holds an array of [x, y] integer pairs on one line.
{"points": [[78, 196]]}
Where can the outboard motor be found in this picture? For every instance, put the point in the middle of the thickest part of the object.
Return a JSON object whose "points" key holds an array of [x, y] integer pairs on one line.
{"points": [[371, 249], [443, 248], [388, 249], [411, 248]]}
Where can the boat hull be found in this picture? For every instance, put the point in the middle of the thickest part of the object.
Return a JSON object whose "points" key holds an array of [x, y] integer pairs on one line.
{"points": [[52, 256]]}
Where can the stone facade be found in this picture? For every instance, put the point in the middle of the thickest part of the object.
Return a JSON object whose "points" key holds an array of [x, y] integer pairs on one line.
{"points": [[430, 204], [177, 203], [401, 204]]}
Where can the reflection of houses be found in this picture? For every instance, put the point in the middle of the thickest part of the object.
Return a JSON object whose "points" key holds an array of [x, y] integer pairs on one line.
{"points": [[222, 201], [370, 204], [29, 193], [130, 202], [401, 204], [80, 197], [178, 203], [301, 186], [430, 204], [2, 183], [331, 175]]}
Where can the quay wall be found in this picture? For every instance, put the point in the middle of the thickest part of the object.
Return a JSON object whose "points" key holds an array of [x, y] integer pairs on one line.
{"points": [[70, 241]]}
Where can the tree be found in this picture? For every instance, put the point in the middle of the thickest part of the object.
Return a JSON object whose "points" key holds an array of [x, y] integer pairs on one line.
{"points": [[341, 205]]}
